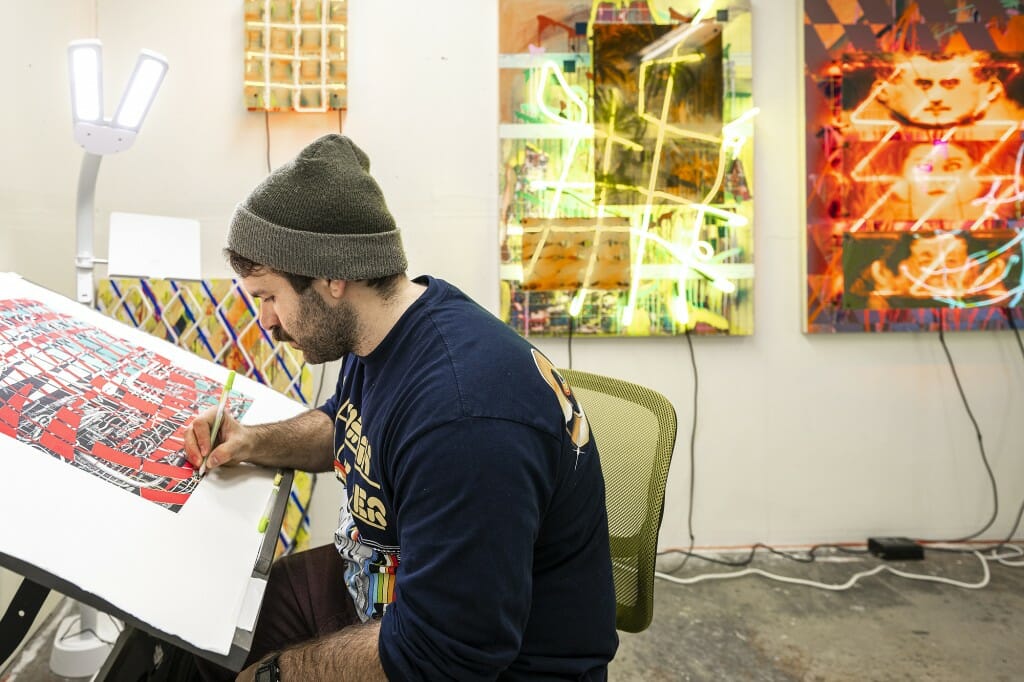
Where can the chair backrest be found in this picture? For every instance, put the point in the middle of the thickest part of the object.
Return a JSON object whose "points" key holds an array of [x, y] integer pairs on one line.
{"points": [[635, 430]]}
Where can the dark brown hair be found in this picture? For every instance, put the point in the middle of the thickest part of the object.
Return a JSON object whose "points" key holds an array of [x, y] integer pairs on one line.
{"points": [[385, 286]]}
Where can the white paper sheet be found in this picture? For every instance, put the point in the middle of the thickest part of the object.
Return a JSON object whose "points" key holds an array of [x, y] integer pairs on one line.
{"points": [[185, 573], [251, 604], [143, 245]]}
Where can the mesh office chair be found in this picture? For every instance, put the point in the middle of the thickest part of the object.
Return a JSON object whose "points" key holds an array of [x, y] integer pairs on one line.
{"points": [[635, 430]]}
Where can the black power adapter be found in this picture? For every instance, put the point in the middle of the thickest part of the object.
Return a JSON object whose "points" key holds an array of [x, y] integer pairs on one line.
{"points": [[895, 549]]}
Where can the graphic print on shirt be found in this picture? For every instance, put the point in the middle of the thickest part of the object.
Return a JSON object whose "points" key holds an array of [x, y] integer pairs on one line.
{"points": [[370, 576], [575, 420]]}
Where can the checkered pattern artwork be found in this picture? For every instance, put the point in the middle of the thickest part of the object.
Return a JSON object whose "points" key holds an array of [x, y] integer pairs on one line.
{"points": [[216, 319]]}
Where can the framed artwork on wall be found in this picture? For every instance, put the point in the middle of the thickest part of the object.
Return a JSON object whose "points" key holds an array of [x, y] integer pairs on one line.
{"points": [[626, 197], [296, 55], [915, 113]]}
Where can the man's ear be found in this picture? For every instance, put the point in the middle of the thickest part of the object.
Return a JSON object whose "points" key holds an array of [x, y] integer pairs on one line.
{"points": [[336, 288]]}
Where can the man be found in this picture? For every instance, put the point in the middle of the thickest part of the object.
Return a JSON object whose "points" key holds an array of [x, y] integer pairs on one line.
{"points": [[473, 543], [936, 91]]}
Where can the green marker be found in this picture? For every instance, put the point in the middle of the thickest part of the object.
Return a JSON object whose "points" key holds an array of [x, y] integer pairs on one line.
{"points": [[219, 418], [265, 519]]}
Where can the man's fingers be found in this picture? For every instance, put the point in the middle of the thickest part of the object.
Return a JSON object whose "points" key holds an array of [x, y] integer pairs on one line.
{"points": [[192, 453], [201, 431], [212, 462], [197, 438]]}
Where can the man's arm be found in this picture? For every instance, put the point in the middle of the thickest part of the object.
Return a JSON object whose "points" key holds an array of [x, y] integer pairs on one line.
{"points": [[349, 654], [305, 442], [470, 496]]}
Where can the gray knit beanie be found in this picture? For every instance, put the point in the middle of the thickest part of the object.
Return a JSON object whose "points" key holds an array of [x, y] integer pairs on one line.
{"points": [[321, 215]]}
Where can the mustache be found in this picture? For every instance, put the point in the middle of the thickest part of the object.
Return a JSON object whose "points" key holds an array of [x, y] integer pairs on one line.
{"points": [[281, 336]]}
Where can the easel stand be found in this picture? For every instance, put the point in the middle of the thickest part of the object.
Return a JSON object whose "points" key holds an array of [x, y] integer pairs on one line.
{"points": [[20, 615]]}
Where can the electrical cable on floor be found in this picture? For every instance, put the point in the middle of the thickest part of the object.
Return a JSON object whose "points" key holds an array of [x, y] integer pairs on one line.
{"points": [[806, 558], [837, 587], [995, 495], [1002, 558], [1020, 510], [810, 555], [688, 552]]}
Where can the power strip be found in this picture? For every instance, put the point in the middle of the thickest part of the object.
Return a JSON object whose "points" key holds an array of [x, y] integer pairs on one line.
{"points": [[895, 549]]}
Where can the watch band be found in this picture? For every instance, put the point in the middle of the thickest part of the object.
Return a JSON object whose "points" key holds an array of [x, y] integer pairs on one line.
{"points": [[269, 670]]}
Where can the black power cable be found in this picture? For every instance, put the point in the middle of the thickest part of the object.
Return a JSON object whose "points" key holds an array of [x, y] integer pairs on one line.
{"points": [[810, 555], [1020, 510], [981, 443], [693, 452]]}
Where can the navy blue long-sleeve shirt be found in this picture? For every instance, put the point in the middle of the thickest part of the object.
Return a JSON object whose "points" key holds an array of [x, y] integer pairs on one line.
{"points": [[475, 525]]}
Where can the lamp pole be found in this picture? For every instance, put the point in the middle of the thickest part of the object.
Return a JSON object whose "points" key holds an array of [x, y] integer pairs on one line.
{"points": [[84, 640], [100, 136], [84, 227]]}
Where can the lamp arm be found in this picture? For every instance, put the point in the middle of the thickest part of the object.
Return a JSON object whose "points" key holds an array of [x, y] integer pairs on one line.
{"points": [[84, 226]]}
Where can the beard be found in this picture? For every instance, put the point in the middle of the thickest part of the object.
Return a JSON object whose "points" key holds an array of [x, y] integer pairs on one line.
{"points": [[327, 333]]}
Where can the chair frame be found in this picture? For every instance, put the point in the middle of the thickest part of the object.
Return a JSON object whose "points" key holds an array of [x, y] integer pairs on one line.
{"points": [[636, 617]]}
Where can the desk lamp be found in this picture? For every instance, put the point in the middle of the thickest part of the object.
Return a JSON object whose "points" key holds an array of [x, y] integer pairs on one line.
{"points": [[83, 641], [99, 136]]}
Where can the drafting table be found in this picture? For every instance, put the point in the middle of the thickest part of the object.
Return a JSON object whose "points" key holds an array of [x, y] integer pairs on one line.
{"points": [[92, 420]]}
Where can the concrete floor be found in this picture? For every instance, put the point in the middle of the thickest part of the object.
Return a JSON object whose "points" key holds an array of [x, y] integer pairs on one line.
{"points": [[884, 628]]}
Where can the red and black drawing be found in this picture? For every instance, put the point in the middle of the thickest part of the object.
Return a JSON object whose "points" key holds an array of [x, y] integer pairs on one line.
{"points": [[99, 403]]}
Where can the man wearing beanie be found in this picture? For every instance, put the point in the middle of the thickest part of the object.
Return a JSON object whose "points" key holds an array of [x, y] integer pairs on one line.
{"points": [[473, 541]]}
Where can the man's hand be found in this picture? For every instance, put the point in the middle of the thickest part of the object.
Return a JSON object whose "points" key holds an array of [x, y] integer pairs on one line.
{"points": [[305, 442], [233, 441], [348, 655]]}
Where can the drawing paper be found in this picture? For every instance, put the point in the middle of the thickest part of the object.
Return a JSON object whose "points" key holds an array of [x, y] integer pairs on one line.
{"points": [[81, 495]]}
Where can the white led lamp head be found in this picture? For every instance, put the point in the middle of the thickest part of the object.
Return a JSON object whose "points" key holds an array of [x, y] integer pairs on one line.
{"points": [[94, 133], [100, 136]]}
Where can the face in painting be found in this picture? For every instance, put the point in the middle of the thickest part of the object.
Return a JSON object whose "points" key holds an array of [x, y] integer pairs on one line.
{"points": [[323, 331], [941, 253], [938, 92], [940, 183]]}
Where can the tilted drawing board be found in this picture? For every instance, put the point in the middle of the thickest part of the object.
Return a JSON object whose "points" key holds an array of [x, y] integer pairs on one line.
{"points": [[97, 491]]}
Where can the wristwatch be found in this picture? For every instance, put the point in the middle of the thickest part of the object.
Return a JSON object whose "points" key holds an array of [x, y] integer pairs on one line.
{"points": [[269, 671]]}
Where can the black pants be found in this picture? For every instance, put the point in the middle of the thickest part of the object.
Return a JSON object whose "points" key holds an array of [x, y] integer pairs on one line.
{"points": [[306, 598]]}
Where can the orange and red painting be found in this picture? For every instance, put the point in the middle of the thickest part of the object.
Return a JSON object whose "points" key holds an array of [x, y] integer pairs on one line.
{"points": [[915, 113]]}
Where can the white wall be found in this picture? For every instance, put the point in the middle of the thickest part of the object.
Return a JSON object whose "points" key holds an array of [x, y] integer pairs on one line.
{"points": [[800, 439]]}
